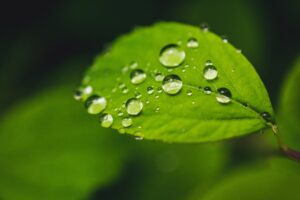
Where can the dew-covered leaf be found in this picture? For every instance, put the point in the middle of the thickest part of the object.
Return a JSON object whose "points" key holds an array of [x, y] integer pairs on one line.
{"points": [[177, 83], [50, 149], [289, 114]]}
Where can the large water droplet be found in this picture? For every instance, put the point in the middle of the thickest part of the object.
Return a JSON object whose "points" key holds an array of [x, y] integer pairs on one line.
{"points": [[192, 43], [210, 72], [95, 104], [134, 106], [106, 120], [171, 56], [126, 122], [159, 77], [223, 96], [137, 76], [150, 90], [172, 84]]}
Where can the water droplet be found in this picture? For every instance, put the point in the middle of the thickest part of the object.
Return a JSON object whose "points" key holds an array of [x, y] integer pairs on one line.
{"points": [[137, 76], [120, 113], [95, 104], [157, 109], [223, 96], [122, 85], [204, 27], [183, 70], [159, 77], [147, 101], [150, 90], [159, 90], [210, 72], [189, 92], [126, 122], [133, 65], [207, 90], [239, 50], [224, 38], [186, 66], [106, 120], [157, 96], [134, 106], [208, 63], [77, 95], [172, 84], [125, 90], [139, 138], [138, 95], [125, 69], [121, 130], [267, 116], [192, 43], [171, 56], [193, 102]]}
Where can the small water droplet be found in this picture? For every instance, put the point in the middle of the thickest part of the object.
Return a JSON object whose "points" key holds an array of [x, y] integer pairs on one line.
{"points": [[223, 96], [139, 138], [159, 77], [204, 27], [150, 90], [210, 72], [208, 63], [120, 113], [114, 90], [134, 106], [138, 95], [183, 70], [189, 93], [125, 69], [186, 66], [157, 109], [95, 104], [193, 102], [122, 130], [224, 38], [126, 122], [159, 90], [137, 76], [106, 120], [77, 95], [239, 50], [267, 116], [122, 85], [133, 65], [172, 84], [192, 43], [207, 90], [125, 90], [147, 101], [156, 96], [171, 56]]}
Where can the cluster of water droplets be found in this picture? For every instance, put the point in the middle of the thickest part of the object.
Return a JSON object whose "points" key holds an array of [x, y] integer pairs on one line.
{"points": [[171, 56]]}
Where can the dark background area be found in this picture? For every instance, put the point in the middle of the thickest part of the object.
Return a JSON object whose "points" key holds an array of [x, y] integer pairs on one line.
{"points": [[37, 37]]}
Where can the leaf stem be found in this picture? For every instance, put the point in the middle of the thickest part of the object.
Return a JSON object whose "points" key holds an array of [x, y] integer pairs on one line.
{"points": [[291, 153]]}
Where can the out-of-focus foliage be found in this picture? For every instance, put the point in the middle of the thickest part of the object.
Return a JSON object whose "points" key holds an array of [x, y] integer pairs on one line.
{"points": [[50, 149], [289, 115], [278, 180]]}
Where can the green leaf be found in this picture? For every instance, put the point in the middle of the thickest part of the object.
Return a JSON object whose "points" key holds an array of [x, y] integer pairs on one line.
{"points": [[278, 180], [50, 149], [180, 118], [289, 112]]}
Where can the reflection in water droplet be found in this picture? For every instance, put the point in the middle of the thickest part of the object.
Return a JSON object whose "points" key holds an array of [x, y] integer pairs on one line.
{"points": [[223, 96], [189, 92], [134, 106], [126, 122], [106, 120], [207, 90], [172, 84], [137, 76], [192, 43], [171, 56], [210, 72], [95, 104], [159, 77], [150, 90]]}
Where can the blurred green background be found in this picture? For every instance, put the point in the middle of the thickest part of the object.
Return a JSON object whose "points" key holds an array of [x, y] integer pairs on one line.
{"points": [[51, 149]]}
